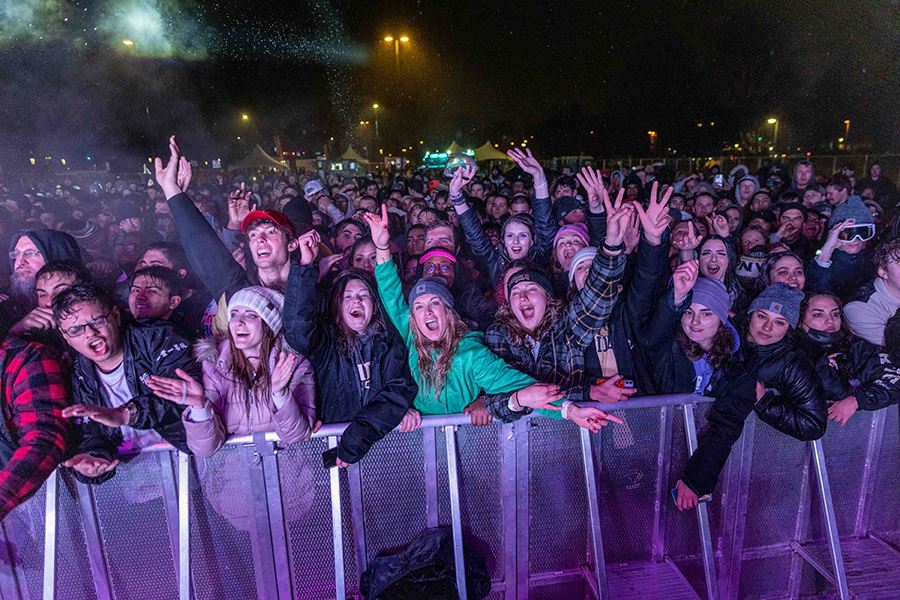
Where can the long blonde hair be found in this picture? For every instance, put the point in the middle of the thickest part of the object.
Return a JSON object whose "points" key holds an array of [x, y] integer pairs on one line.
{"points": [[433, 372]]}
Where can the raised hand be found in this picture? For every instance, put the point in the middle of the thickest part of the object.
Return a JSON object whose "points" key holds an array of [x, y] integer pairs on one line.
{"points": [[526, 160], [833, 240], [39, 318], [185, 172], [329, 264], [238, 207], [309, 246], [719, 224], [539, 395], [461, 177], [478, 412], [379, 226], [281, 374], [168, 177], [592, 182], [691, 240], [111, 417], [590, 417], [184, 390], [616, 219], [683, 280], [90, 466], [655, 219]]}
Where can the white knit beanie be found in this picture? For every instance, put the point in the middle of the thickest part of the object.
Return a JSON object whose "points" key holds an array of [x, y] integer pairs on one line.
{"points": [[268, 304]]}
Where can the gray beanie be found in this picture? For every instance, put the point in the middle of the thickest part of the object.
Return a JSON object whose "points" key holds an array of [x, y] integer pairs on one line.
{"points": [[712, 294], [852, 208], [267, 303], [431, 285], [586, 253], [782, 299]]}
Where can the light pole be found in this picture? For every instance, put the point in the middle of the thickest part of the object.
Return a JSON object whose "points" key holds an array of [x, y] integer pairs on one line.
{"points": [[375, 106], [846, 130], [774, 121], [396, 48]]}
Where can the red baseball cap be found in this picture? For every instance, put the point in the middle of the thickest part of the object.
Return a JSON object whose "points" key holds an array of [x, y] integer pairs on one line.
{"points": [[433, 184], [280, 219]]}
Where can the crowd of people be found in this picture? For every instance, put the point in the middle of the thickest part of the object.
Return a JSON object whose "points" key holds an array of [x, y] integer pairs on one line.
{"points": [[186, 312]]}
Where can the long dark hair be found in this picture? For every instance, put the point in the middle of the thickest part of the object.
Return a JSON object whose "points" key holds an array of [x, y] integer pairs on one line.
{"points": [[242, 373], [732, 283], [719, 354], [840, 348], [517, 332], [346, 337]]}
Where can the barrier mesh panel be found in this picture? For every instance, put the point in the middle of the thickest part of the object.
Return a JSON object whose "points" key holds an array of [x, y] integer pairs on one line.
{"points": [[73, 571], [570, 590], [24, 527], [221, 545], [884, 516], [134, 530], [628, 485], [845, 455], [306, 496], [559, 533]]}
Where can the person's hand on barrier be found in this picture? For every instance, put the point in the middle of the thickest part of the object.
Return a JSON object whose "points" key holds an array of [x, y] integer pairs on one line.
{"points": [[590, 417], [39, 318], [90, 466], [309, 246], [111, 417], [687, 499], [478, 412], [341, 464], [539, 395], [411, 420], [609, 393], [184, 390], [842, 410], [760, 390], [683, 280], [315, 429]]}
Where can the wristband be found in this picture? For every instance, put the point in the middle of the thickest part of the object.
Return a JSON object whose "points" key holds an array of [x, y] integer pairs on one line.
{"points": [[377, 247], [565, 408], [541, 186], [458, 199], [618, 248], [512, 404]]}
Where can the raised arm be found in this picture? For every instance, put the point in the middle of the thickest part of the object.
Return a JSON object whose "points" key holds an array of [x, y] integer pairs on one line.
{"points": [[303, 330], [544, 226], [390, 288]]}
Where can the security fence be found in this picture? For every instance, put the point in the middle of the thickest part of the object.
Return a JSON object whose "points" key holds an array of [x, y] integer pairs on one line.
{"points": [[557, 512]]}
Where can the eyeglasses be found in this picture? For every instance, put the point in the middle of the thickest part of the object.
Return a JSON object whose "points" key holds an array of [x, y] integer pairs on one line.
{"points": [[28, 254], [430, 268], [96, 324], [863, 233]]}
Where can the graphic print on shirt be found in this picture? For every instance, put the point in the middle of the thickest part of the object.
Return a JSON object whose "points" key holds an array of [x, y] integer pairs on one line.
{"points": [[365, 374]]}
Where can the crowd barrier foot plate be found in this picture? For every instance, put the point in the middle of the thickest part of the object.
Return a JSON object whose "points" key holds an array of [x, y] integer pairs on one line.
{"points": [[872, 566], [648, 581]]}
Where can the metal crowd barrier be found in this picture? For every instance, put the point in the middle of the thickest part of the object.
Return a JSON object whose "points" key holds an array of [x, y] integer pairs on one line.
{"points": [[556, 511]]}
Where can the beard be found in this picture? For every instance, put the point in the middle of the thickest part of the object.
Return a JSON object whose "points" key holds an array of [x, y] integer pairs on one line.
{"points": [[22, 289]]}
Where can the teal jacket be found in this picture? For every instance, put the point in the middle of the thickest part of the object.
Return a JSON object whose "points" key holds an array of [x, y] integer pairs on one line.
{"points": [[474, 367]]}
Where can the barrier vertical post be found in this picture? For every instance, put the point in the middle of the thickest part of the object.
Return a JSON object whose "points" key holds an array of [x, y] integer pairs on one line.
{"points": [[169, 488], [184, 526], [736, 514], [431, 493], [9, 582], [93, 541], [51, 520], [354, 478], [873, 454], [523, 508], [337, 526], [263, 558], [834, 544], [455, 518], [662, 483], [801, 529], [709, 559], [508, 505], [590, 481]]}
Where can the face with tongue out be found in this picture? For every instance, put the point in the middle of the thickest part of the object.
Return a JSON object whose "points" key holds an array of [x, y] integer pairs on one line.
{"points": [[357, 305], [518, 241], [528, 302], [101, 345], [430, 314], [714, 260]]}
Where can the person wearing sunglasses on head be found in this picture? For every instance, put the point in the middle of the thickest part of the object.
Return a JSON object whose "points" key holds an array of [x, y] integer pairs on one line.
{"points": [[844, 264]]}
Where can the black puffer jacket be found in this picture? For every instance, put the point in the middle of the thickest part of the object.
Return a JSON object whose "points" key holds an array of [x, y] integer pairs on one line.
{"points": [[151, 348], [370, 386], [794, 402], [861, 369]]}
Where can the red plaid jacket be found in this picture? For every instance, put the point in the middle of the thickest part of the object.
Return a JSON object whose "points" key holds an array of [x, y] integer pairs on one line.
{"points": [[33, 432]]}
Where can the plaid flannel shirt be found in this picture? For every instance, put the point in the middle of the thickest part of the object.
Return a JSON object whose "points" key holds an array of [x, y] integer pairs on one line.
{"points": [[34, 395], [560, 357]]}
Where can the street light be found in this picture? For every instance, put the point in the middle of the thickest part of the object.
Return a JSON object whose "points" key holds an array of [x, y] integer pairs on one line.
{"points": [[127, 42], [396, 41], [245, 117], [847, 129], [774, 121], [375, 106]]}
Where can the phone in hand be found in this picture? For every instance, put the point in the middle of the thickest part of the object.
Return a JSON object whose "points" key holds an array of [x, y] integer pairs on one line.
{"points": [[329, 458], [625, 384], [701, 499], [719, 181]]}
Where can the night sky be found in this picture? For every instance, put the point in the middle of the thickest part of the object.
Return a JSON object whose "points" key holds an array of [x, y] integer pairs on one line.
{"points": [[472, 71]]}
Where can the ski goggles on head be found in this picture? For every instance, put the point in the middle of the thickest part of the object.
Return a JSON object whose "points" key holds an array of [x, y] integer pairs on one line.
{"points": [[863, 233]]}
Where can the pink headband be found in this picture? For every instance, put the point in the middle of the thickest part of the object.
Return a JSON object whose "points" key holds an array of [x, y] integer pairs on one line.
{"points": [[431, 253], [579, 229]]}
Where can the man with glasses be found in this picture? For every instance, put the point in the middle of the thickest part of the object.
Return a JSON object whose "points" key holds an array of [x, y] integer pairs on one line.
{"points": [[28, 252], [844, 264], [112, 404]]}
